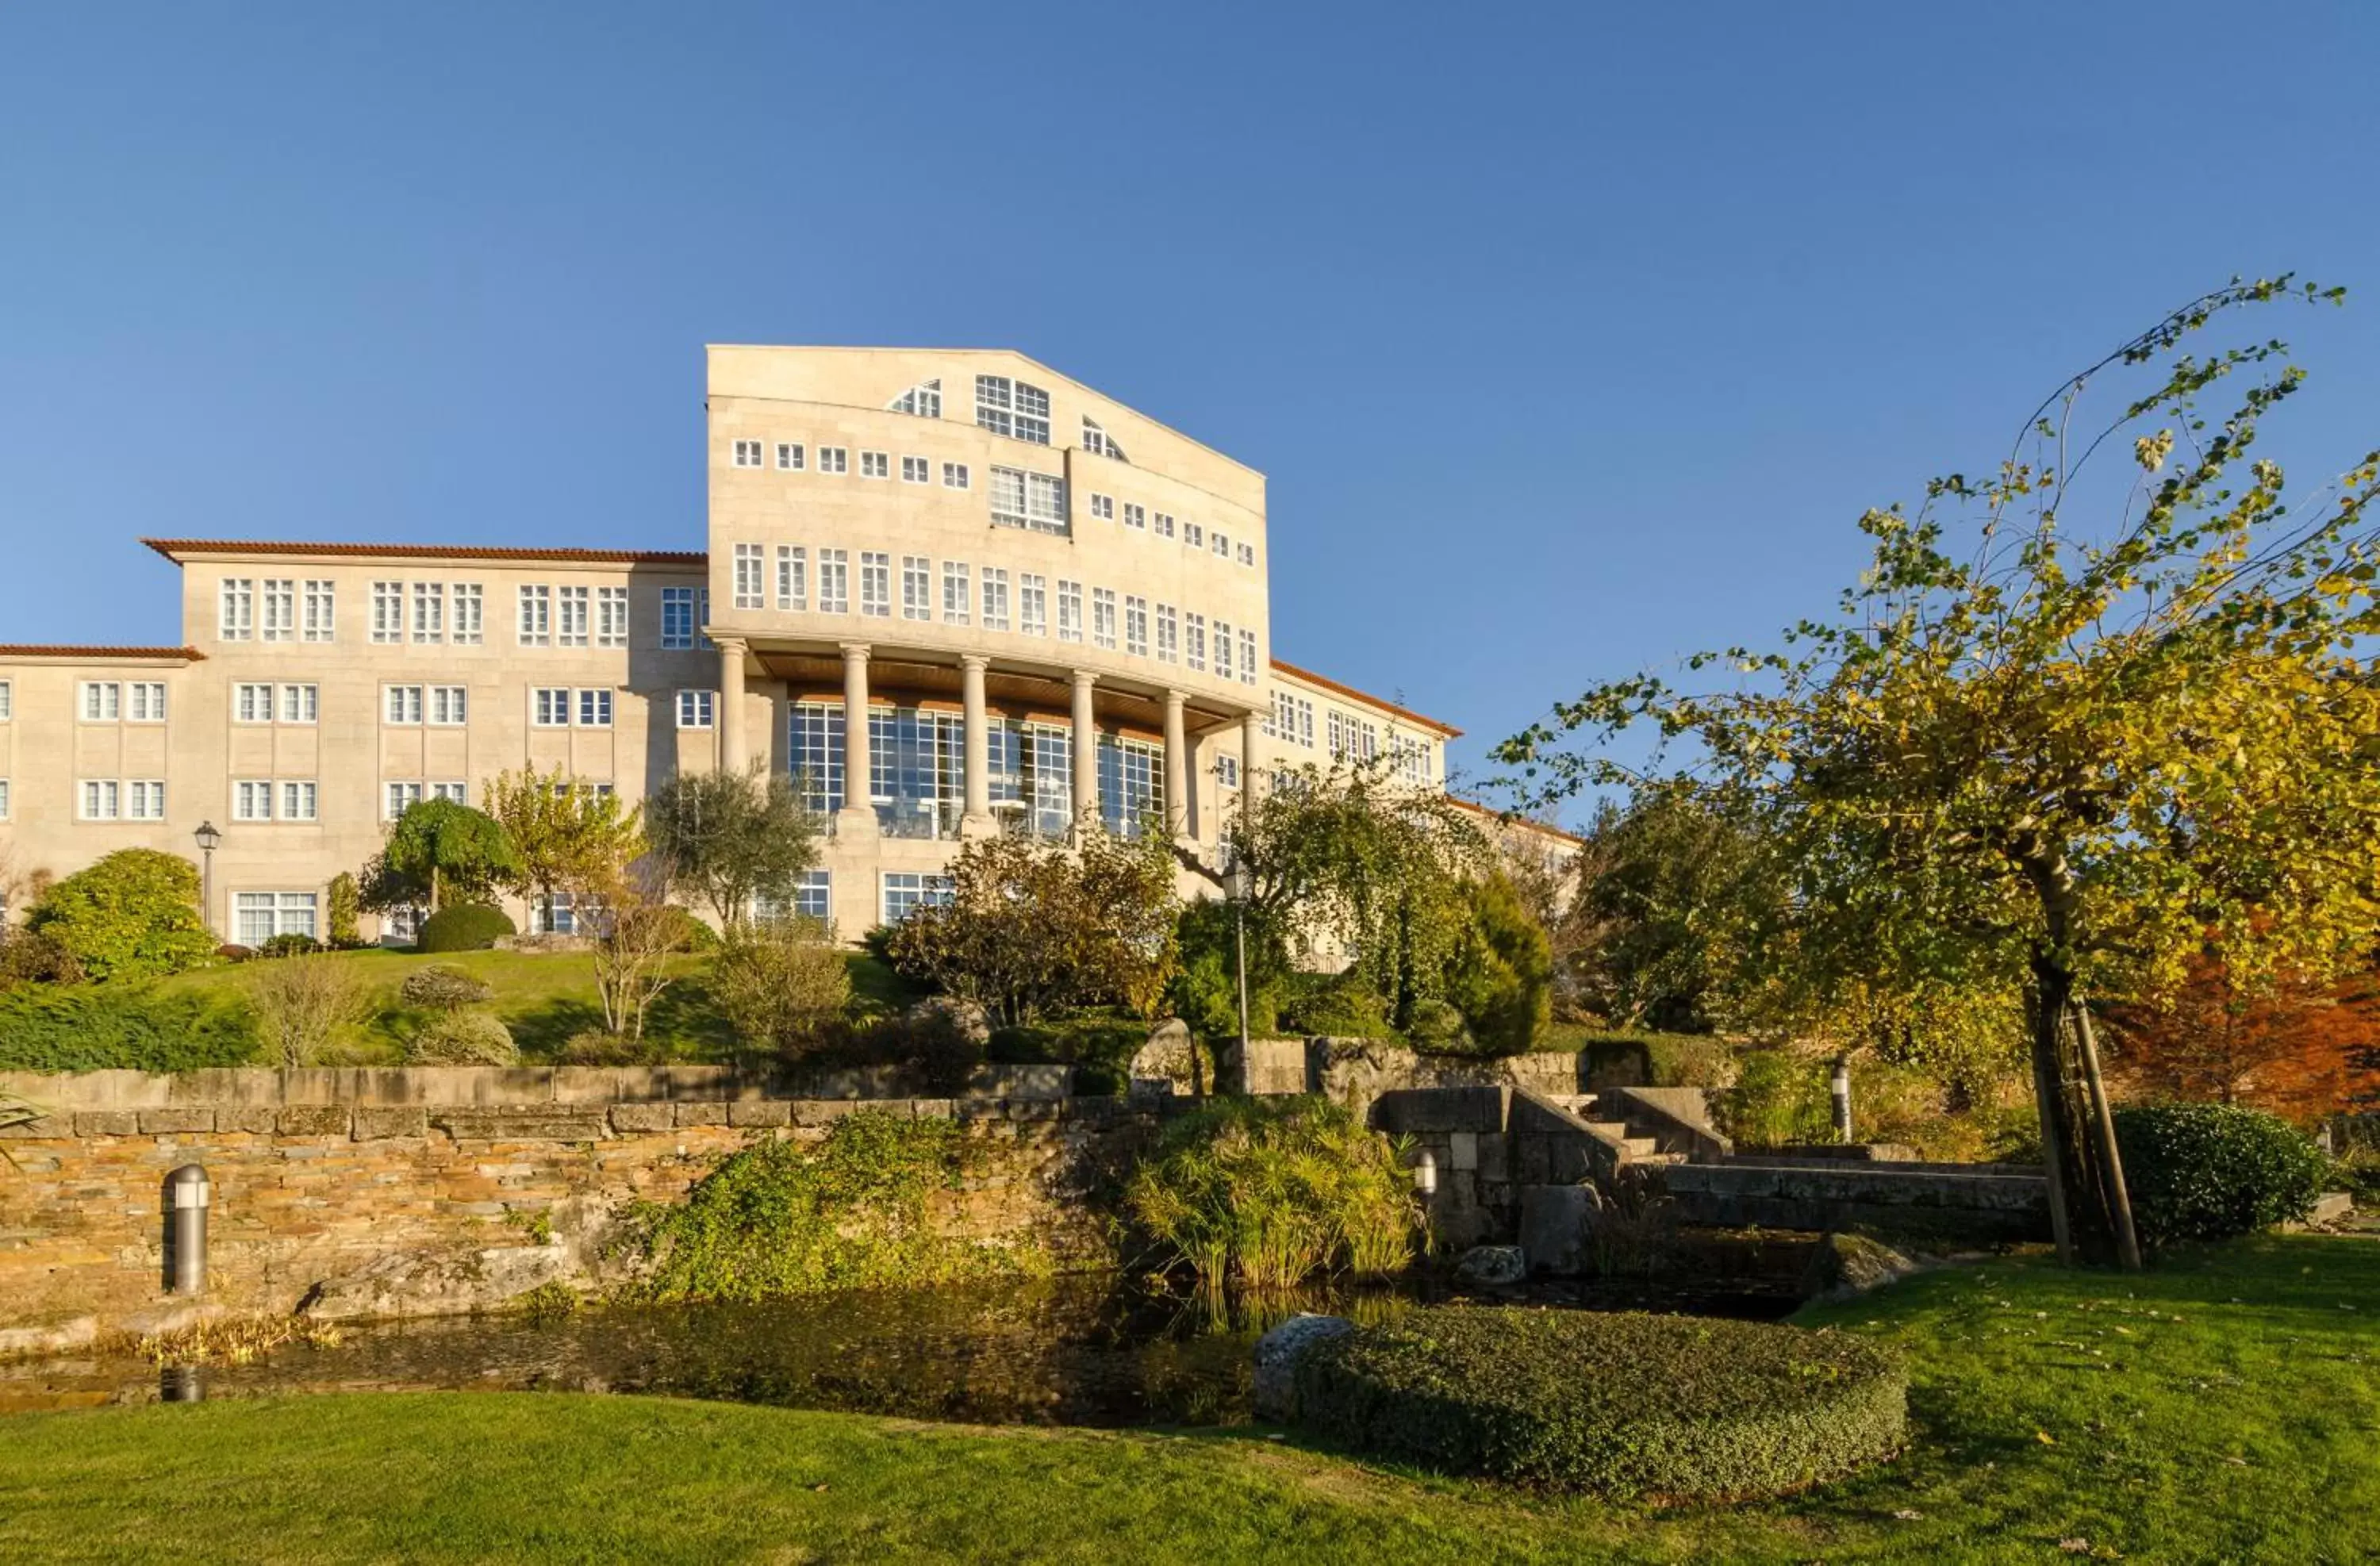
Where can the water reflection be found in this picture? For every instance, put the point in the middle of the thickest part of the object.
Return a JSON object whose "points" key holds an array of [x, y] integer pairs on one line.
{"points": [[1095, 1351]]}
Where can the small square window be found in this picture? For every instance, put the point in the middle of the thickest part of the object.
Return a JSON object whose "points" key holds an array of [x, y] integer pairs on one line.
{"points": [[834, 459], [915, 470], [875, 465], [1103, 507], [697, 708], [747, 453], [954, 475], [790, 456]]}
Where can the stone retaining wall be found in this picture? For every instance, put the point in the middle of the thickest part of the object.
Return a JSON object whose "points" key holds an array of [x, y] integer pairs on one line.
{"points": [[1973, 1202]]}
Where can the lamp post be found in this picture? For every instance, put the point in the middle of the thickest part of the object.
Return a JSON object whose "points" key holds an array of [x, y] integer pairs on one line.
{"points": [[208, 838], [1238, 884]]}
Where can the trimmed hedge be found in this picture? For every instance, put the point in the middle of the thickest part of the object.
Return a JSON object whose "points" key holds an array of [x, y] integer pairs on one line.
{"points": [[105, 1027], [2208, 1171], [463, 1038], [1620, 1404], [463, 927]]}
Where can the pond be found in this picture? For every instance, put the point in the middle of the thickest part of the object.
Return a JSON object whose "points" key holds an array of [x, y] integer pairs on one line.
{"points": [[1080, 1350]]}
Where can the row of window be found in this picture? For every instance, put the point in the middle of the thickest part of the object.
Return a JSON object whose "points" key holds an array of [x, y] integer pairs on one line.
{"points": [[1006, 406], [797, 457], [448, 613], [1139, 517]]}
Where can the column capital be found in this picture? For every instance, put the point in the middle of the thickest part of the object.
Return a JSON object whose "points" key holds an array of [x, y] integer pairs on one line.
{"points": [[975, 661], [1086, 678], [1173, 700], [732, 645], [855, 652]]}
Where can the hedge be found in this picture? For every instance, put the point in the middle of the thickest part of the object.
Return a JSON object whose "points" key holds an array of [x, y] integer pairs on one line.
{"points": [[1618, 1405], [463, 927], [2207, 1171], [48, 1027]]}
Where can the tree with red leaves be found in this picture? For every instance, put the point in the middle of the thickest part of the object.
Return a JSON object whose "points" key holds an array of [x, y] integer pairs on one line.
{"points": [[2297, 1049]]}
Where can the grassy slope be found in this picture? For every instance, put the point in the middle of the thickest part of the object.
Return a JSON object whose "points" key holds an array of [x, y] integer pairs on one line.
{"points": [[2233, 1417], [544, 997]]}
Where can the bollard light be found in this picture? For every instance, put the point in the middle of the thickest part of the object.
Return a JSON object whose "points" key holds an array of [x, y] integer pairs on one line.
{"points": [[1425, 1173], [186, 1193], [1841, 1088]]}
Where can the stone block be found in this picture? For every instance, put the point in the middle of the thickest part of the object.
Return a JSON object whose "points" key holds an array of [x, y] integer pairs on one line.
{"points": [[1463, 1150], [176, 1122], [713, 1113], [241, 1086], [377, 1123], [107, 1122], [931, 1109], [760, 1112], [1034, 1108], [257, 1119], [629, 1118], [1495, 1156], [311, 1119], [823, 1112], [1556, 1227], [592, 1085], [525, 1122]]}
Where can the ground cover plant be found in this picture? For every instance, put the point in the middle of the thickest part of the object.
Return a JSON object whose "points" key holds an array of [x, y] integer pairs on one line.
{"points": [[2218, 1407], [1618, 1404]]}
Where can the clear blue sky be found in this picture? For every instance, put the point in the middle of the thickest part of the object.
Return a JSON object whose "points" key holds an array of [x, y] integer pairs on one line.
{"points": [[1571, 338]]}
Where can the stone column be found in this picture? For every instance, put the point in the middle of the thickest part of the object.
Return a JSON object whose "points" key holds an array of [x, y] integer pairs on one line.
{"points": [[1177, 769], [858, 816], [976, 751], [1086, 750], [1251, 755], [732, 751]]}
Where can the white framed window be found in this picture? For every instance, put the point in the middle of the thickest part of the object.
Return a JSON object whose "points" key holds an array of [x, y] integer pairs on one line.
{"points": [[1169, 635], [570, 616], [387, 611], [995, 599], [470, 619], [916, 588], [1291, 719], [1102, 508], [1411, 757], [401, 704], [1223, 545], [957, 587], [4, 799], [594, 708], [301, 703], [548, 707], [611, 616], [235, 609], [677, 619], [398, 797], [1227, 771], [1135, 627], [7, 700], [280, 609], [450, 705], [299, 800], [1012, 407], [747, 453], [535, 620], [954, 475], [1070, 611], [1103, 618], [258, 916], [453, 793], [103, 799], [834, 459], [144, 701], [748, 588], [697, 708], [905, 891], [835, 581], [1008, 497], [791, 458], [145, 801], [1247, 555], [1193, 642], [875, 465], [1194, 535], [793, 577], [1223, 649], [916, 470], [428, 612], [1165, 524], [1032, 604], [1248, 656], [876, 583], [1351, 738], [924, 399], [1095, 441], [103, 701], [1135, 517], [251, 800], [814, 894], [322, 611]]}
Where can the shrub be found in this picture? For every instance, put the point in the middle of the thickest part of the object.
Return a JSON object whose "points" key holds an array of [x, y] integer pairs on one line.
{"points": [[132, 914], [463, 927], [463, 1038], [780, 984], [2206, 1172], [342, 902], [595, 1047], [1502, 977], [302, 1002], [1267, 1193], [1335, 1006], [28, 956], [1098, 1045], [781, 1217], [289, 944], [1439, 1027], [1617, 1403], [1780, 1097], [442, 987], [1205, 989], [90, 1027]]}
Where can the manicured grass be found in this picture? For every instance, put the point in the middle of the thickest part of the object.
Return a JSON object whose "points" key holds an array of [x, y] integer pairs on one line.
{"points": [[2223, 1408], [544, 998]]}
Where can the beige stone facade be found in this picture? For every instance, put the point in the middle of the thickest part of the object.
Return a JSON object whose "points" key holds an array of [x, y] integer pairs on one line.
{"points": [[995, 594]]}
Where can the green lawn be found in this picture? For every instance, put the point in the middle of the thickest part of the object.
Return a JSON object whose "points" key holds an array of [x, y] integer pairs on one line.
{"points": [[544, 998], [2224, 1408]]}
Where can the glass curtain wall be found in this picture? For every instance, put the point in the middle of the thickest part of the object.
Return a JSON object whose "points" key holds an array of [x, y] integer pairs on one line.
{"points": [[917, 762], [1131, 785]]}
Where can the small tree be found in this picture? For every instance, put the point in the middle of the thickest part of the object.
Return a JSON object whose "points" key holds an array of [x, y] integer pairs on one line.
{"points": [[1501, 976], [733, 838], [566, 836], [438, 851], [342, 900], [637, 932], [2297, 1048], [781, 983], [132, 914], [301, 1003]]}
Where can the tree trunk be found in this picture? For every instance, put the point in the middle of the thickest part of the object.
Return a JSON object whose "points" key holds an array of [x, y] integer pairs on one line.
{"points": [[2090, 1212]]}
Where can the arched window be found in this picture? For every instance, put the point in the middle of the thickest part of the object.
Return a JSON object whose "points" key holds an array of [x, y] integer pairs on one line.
{"points": [[924, 399], [1097, 442]]}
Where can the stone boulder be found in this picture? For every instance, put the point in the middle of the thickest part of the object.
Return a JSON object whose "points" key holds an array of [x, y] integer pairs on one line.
{"points": [[963, 1017], [1494, 1266], [1558, 1228], [1173, 1057], [438, 1283], [1846, 1266], [1273, 1395]]}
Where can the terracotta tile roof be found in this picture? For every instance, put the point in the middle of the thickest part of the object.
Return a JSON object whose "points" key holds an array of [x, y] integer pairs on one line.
{"points": [[1519, 824], [32, 649], [1449, 730], [174, 549]]}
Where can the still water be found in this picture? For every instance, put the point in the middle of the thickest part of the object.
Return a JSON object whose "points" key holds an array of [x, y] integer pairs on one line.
{"points": [[1083, 1350]]}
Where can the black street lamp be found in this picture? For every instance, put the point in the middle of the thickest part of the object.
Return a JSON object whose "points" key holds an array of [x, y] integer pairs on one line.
{"points": [[1239, 885], [207, 837]]}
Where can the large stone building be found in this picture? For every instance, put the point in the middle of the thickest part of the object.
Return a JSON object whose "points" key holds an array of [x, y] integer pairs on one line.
{"points": [[986, 589]]}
